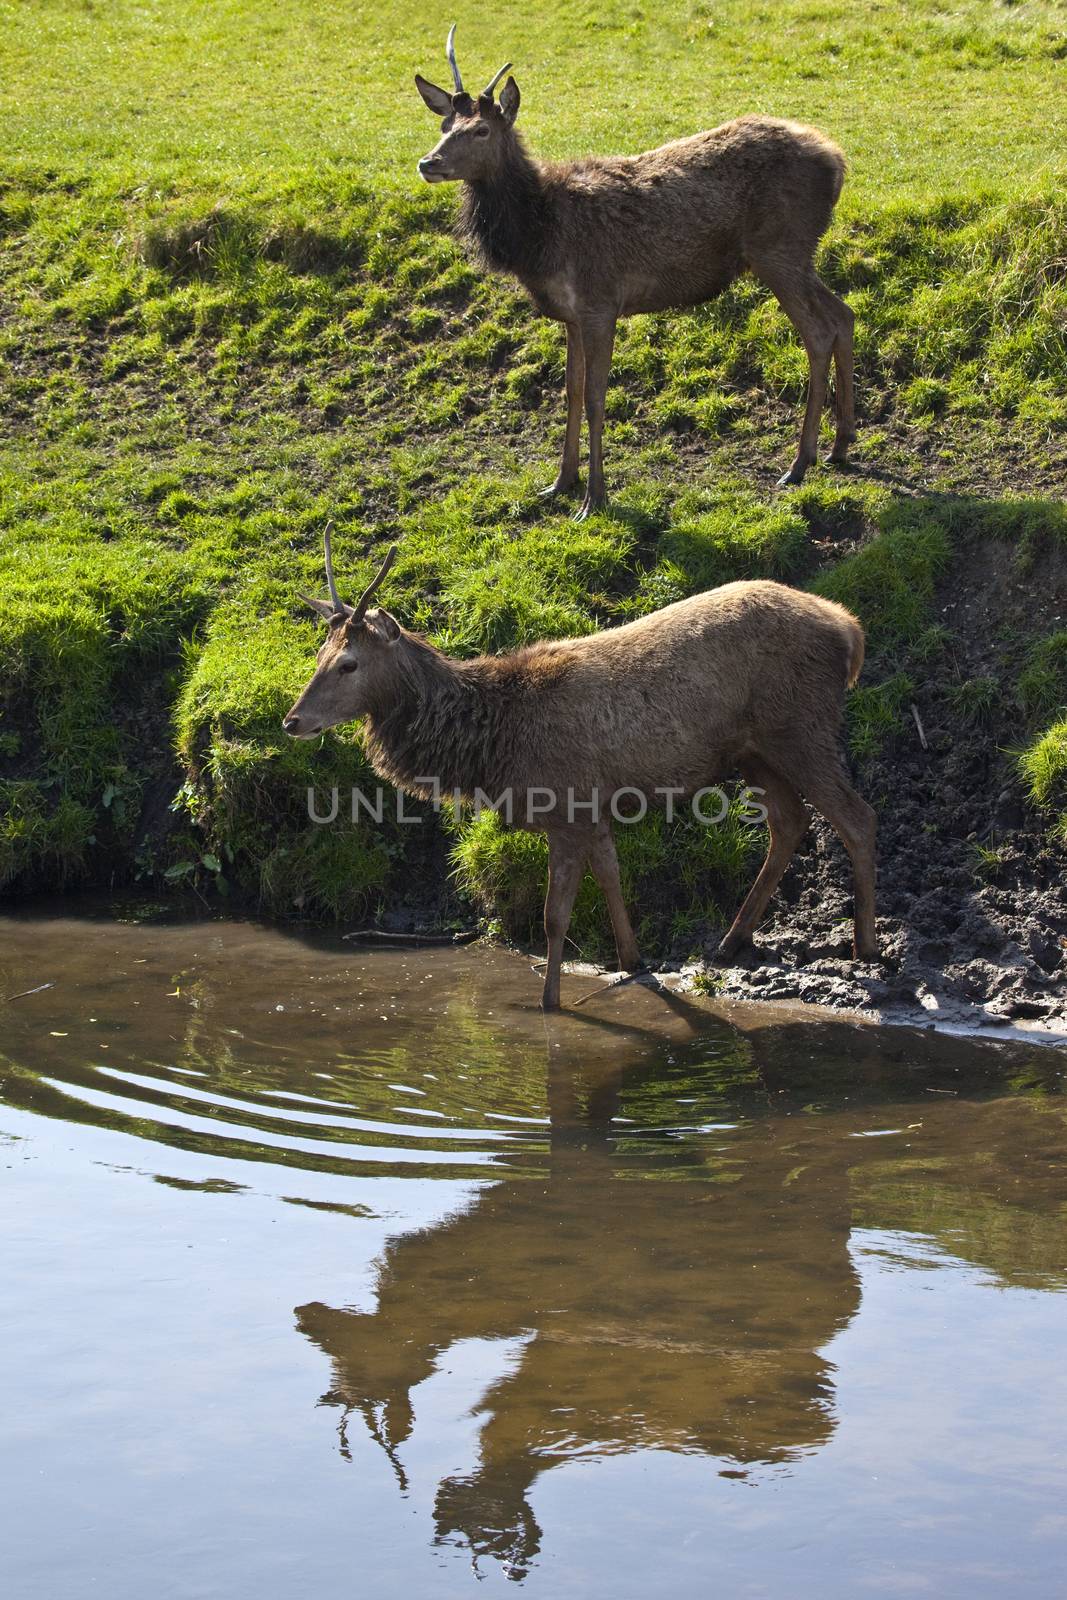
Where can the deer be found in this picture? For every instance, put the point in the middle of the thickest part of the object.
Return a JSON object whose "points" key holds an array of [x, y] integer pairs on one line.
{"points": [[749, 677], [606, 237]]}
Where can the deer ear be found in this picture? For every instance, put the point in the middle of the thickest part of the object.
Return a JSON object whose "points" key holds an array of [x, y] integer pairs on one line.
{"points": [[438, 100], [509, 101], [325, 608], [384, 624]]}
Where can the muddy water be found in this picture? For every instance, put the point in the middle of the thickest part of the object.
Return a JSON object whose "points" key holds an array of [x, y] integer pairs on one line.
{"points": [[336, 1273]]}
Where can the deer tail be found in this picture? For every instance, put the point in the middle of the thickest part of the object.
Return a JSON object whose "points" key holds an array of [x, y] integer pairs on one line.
{"points": [[854, 645]]}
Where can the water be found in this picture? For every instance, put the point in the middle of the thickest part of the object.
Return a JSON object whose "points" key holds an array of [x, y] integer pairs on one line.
{"points": [[331, 1272]]}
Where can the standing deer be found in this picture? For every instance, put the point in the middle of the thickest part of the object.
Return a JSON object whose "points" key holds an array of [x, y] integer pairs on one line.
{"points": [[608, 236], [750, 677]]}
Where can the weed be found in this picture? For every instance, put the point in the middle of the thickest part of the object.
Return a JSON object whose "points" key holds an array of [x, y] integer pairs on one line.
{"points": [[975, 699]]}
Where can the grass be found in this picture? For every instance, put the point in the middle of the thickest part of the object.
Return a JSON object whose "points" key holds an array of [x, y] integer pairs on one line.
{"points": [[1043, 697], [230, 313], [1043, 766], [889, 582], [921, 95], [975, 699], [82, 628], [1043, 682]]}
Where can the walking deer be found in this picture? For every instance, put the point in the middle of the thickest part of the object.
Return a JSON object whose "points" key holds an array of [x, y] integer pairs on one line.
{"points": [[750, 677], [608, 236]]}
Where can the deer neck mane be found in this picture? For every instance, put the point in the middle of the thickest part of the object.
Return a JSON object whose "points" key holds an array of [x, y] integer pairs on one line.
{"points": [[453, 721], [506, 218]]}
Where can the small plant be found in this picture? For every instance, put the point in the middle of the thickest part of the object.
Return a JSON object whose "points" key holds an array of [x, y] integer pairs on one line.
{"points": [[988, 859], [1043, 769], [1043, 682], [931, 642], [925, 397], [874, 712], [975, 699], [187, 871]]}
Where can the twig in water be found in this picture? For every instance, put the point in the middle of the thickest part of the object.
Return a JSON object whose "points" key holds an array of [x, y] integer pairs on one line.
{"points": [[613, 980], [24, 992]]}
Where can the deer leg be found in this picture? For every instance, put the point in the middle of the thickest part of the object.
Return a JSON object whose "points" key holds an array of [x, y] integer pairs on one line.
{"points": [[808, 447], [597, 341], [567, 476], [787, 820], [843, 390], [802, 298], [605, 865], [854, 823], [566, 864]]}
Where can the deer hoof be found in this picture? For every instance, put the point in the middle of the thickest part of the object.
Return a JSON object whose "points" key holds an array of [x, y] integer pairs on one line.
{"points": [[734, 950], [793, 476]]}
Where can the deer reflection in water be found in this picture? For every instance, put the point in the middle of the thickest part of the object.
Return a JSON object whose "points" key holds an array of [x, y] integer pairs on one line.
{"points": [[669, 1299]]}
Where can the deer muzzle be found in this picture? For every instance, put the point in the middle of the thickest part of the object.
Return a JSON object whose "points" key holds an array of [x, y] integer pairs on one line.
{"points": [[432, 168], [300, 727]]}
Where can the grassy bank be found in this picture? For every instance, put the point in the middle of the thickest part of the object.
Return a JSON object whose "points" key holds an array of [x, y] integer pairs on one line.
{"points": [[924, 96], [229, 315]]}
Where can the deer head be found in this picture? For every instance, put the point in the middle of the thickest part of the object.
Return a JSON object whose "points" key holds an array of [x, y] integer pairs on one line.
{"points": [[474, 132], [356, 665]]}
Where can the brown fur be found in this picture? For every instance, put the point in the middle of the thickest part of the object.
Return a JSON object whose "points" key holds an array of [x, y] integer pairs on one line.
{"points": [[750, 677], [606, 237]]}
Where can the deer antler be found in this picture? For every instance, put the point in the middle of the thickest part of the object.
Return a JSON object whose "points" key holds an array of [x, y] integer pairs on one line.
{"points": [[339, 606], [359, 610], [450, 52], [487, 92]]}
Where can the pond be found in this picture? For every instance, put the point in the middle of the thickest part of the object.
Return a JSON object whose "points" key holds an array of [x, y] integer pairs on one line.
{"points": [[331, 1271]]}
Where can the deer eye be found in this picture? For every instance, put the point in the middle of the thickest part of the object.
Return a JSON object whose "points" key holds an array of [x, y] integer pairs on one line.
{"points": [[481, 131], [348, 666]]}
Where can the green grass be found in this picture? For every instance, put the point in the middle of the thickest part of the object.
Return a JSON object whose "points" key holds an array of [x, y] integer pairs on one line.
{"points": [[230, 312], [1043, 682], [923, 96], [1043, 767], [82, 627], [889, 582], [975, 699], [875, 711], [1043, 697]]}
